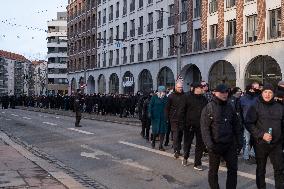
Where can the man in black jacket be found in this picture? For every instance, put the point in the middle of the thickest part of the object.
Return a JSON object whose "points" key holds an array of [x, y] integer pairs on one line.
{"points": [[191, 112], [267, 115], [220, 131], [173, 110]]}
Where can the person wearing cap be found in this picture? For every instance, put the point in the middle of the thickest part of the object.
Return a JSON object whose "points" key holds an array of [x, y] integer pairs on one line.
{"points": [[220, 132], [173, 110], [158, 117], [191, 112], [267, 115]]}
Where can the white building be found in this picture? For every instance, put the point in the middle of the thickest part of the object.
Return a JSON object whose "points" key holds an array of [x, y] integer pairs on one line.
{"points": [[57, 54], [226, 41]]}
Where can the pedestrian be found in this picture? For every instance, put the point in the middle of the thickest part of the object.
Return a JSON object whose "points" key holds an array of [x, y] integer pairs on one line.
{"points": [[220, 132], [158, 117], [175, 101], [264, 121], [191, 112], [146, 122], [78, 106]]}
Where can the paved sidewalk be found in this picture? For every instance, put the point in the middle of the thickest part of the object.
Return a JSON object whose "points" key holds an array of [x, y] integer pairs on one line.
{"points": [[106, 118], [16, 171]]}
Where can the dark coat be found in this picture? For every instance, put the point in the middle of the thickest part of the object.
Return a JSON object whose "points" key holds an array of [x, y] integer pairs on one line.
{"points": [[262, 116], [220, 125], [157, 114], [174, 109]]}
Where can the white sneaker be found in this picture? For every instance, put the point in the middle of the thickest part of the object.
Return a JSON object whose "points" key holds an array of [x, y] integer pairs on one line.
{"points": [[184, 162], [198, 167]]}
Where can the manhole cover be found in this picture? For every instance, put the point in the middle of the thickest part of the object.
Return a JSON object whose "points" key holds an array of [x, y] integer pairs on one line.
{"points": [[10, 179]]}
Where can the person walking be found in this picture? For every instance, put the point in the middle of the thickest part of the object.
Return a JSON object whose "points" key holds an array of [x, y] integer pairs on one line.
{"points": [[78, 106], [191, 111], [173, 110], [220, 132], [157, 114], [264, 121]]}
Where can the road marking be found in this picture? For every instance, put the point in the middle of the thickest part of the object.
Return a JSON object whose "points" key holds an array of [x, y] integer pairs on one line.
{"points": [[81, 131], [240, 173], [95, 154], [3, 112], [27, 118], [15, 115], [45, 116], [48, 123], [8, 119], [57, 117]]}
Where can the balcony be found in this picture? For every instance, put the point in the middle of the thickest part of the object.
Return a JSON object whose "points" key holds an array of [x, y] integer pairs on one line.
{"points": [[124, 59], [230, 3], [197, 12], [230, 40], [140, 30], [132, 33], [140, 56], [159, 24], [213, 6], [171, 51], [149, 55], [213, 43], [160, 53], [131, 58], [132, 7], [171, 20], [150, 27], [251, 36], [184, 16], [197, 46]]}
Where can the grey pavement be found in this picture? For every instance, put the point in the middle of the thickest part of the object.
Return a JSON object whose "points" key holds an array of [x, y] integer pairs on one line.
{"points": [[111, 155]]}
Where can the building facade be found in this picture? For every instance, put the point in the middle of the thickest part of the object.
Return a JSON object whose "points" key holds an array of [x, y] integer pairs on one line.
{"points": [[40, 77], [15, 75], [221, 41], [57, 54]]}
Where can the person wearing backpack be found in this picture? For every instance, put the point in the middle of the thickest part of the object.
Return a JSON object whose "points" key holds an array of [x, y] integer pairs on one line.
{"points": [[220, 130]]}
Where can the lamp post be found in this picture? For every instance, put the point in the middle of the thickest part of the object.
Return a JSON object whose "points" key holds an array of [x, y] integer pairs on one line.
{"points": [[178, 46]]}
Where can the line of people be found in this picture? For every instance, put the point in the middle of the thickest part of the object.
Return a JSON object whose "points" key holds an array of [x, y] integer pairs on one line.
{"points": [[224, 123]]}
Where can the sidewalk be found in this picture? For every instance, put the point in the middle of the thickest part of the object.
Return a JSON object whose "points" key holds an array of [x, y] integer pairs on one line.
{"points": [[16, 171], [93, 116]]}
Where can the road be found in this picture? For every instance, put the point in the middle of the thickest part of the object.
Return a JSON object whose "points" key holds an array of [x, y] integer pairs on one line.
{"points": [[113, 155]]}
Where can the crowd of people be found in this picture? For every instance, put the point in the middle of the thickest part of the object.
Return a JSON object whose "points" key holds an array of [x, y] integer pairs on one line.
{"points": [[225, 122]]}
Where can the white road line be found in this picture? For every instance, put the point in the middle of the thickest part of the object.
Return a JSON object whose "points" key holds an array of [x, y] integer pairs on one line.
{"points": [[8, 119], [15, 115], [45, 116], [240, 173], [3, 112], [27, 118], [48, 123], [57, 117], [81, 131]]}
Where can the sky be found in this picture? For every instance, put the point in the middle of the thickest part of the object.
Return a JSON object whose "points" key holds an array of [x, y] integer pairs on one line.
{"points": [[23, 24]]}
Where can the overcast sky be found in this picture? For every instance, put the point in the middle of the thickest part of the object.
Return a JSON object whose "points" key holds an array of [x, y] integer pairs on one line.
{"points": [[19, 34]]}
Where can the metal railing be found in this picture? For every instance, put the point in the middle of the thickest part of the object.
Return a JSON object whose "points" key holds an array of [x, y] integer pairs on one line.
{"points": [[230, 40], [213, 6], [213, 43]]}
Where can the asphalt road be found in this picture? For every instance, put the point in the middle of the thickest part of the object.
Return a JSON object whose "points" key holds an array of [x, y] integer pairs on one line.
{"points": [[114, 154]]}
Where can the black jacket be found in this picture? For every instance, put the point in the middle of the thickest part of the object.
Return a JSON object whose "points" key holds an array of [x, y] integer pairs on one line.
{"points": [[219, 124], [173, 110], [262, 116], [192, 109]]}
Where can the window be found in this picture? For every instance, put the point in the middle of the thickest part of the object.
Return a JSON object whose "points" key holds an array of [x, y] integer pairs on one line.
{"points": [[150, 50], [110, 58], [160, 20], [160, 48], [117, 10], [231, 35], [99, 60], [140, 53], [99, 18], [117, 32], [140, 28], [132, 30], [110, 35], [105, 37], [184, 7], [104, 16], [213, 36], [197, 8], [124, 30], [124, 55], [184, 43], [110, 13], [197, 40], [104, 60], [117, 57], [275, 23], [150, 2], [132, 5], [230, 3], [132, 48], [124, 11], [213, 6], [150, 22], [172, 45], [171, 17], [140, 3], [251, 33]]}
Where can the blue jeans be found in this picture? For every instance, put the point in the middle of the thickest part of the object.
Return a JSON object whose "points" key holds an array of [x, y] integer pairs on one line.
{"points": [[247, 149]]}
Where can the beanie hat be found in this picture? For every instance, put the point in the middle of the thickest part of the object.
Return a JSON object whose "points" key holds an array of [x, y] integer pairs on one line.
{"points": [[268, 86], [161, 89]]}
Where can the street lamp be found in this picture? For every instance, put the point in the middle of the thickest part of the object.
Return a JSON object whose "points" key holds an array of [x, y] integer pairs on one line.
{"points": [[178, 39]]}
